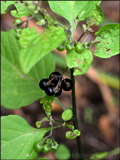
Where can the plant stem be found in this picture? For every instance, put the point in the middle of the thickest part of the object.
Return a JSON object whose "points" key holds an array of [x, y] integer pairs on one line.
{"points": [[75, 122], [58, 102]]}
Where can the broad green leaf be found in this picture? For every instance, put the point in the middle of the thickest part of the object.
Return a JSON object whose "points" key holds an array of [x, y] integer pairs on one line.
{"points": [[96, 17], [108, 41], [21, 10], [19, 89], [86, 8], [18, 138], [4, 5], [36, 46], [71, 9], [81, 61], [65, 152]]}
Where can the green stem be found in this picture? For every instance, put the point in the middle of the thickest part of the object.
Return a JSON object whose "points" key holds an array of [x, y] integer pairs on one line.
{"points": [[59, 103], [75, 122]]}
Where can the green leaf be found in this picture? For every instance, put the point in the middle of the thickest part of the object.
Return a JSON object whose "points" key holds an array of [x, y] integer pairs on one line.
{"points": [[47, 101], [70, 126], [36, 46], [71, 9], [21, 10], [96, 17], [72, 135], [86, 8], [81, 61], [67, 114], [18, 138], [65, 152], [4, 5], [19, 89], [108, 41], [38, 123]]}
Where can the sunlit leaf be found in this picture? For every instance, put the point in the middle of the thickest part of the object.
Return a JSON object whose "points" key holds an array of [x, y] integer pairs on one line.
{"points": [[108, 41]]}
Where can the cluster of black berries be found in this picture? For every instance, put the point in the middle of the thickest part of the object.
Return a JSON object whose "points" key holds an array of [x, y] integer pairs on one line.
{"points": [[55, 84]]}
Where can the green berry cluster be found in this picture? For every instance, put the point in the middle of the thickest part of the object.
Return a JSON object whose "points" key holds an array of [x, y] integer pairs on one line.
{"points": [[78, 47], [18, 29], [46, 146]]}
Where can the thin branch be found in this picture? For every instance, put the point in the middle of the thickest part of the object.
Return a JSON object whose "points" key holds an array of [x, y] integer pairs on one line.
{"points": [[61, 105]]}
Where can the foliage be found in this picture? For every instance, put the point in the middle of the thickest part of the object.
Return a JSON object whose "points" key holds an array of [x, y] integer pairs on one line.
{"points": [[15, 130]]}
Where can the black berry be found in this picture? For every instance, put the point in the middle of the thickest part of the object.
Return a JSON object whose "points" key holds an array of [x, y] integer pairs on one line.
{"points": [[66, 84], [43, 84], [56, 76], [58, 92], [49, 91]]}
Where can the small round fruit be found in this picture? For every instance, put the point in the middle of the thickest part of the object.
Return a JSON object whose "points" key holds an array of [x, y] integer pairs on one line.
{"points": [[66, 84], [56, 76], [78, 48], [58, 92], [54, 146], [69, 46], [49, 91], [61, 47], [46, 148], [43, 83], [18, 35], [18, 29], [38, 147], [17, 22]]}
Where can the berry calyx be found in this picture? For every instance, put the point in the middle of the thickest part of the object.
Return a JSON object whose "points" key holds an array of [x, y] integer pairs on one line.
{"points": [[43, 83], [66, 84], [49, 91]]}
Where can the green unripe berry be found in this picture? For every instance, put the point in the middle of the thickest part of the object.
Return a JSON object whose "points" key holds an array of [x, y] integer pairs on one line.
{"points": [[54, 146], [17, 22], [18, 29], [38, 147], [61, 47], [78, 48], [46, 148], [69, 46], [17, 36]]}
